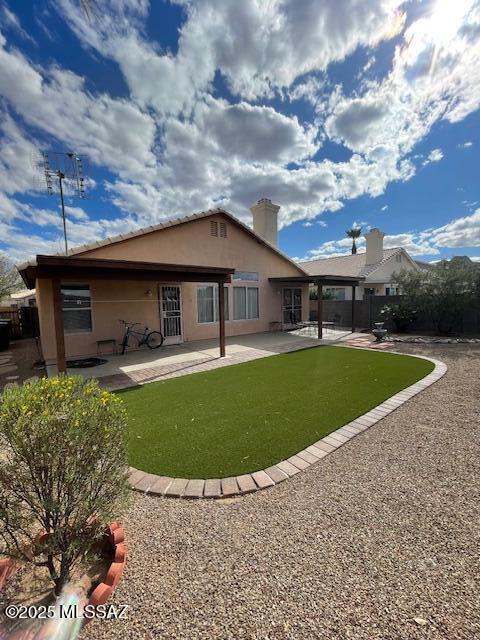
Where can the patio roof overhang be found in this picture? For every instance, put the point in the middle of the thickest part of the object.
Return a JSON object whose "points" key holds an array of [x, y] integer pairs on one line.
{"points": [[335, 281], [103, 269], [61, 268], [320, 281]]}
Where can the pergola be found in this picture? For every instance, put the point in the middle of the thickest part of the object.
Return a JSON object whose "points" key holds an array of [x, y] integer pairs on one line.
{"points": [[319, 282], [58, 268]]}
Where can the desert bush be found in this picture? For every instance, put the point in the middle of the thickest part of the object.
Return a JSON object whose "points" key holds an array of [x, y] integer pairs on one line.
{"points": [[442, 293], [63, 470], [401, 315]]}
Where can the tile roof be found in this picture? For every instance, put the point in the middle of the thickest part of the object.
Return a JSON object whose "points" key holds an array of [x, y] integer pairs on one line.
{"points": [[165, 225], [347, 265]]}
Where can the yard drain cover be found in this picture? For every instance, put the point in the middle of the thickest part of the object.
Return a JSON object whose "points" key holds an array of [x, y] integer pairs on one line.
{"points": [[85, 363]]}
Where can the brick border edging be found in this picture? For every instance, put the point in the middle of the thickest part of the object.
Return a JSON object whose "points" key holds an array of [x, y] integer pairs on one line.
{"points": [[152, 484], [105, 589]]}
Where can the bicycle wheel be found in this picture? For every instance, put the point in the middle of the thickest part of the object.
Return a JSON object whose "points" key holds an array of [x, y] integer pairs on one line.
{"points": [[154, 340]]}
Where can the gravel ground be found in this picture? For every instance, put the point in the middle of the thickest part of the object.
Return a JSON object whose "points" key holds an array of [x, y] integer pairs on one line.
{"points": [[378, 540]]}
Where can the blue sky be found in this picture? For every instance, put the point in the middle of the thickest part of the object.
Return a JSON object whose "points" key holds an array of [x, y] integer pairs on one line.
{"points": [[347, 113]]}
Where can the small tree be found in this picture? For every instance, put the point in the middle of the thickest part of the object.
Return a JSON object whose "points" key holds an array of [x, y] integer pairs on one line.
{"points": [[10, 280], [441, 293], [63, 471], [354, 233]]}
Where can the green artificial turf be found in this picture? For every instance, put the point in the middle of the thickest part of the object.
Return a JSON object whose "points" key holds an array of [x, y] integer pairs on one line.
{"points": [[245, 417]]}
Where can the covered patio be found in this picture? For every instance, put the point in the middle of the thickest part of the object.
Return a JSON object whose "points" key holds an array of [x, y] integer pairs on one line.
{"points": [[320, 281], [57, 270]]}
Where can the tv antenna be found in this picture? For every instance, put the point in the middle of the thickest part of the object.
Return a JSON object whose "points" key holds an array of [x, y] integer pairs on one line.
{"points": [[62, 173]]}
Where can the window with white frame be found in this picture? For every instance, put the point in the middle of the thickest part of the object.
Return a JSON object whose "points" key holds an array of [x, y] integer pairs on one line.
{"points": [[245, 303], [391, 290], [207, 303], [250, 276], [77, 308]]}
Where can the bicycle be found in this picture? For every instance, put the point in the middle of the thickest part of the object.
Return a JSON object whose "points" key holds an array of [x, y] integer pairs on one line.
{"points": [[153, 339]]}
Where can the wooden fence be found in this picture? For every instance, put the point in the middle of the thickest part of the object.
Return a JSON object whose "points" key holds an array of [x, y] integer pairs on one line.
{"points": [[367, 312], [23, 322]]}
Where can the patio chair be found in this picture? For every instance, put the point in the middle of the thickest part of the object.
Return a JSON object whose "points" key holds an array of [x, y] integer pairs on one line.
{"points": [[334, 320]]}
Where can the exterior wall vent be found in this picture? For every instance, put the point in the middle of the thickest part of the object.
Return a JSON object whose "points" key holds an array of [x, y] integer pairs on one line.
{"points": [[213, 228], [223, 229]]}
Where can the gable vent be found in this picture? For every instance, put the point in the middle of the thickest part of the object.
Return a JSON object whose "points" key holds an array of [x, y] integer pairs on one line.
{"points": [[213, 228], [223, 229]]}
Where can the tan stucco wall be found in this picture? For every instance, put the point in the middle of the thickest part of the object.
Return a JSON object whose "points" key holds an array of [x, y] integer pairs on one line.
{"points": [[188, 243]]}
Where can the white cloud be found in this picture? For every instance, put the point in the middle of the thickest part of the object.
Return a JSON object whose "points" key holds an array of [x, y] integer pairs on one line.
{"points": [[435, 75], [258, 46], [254, 133], [460, 232], [466, 145], [113, 132], [434, 156]]}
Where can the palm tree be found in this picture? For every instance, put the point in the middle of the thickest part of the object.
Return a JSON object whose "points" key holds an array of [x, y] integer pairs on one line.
{"points": [[353, 233]]}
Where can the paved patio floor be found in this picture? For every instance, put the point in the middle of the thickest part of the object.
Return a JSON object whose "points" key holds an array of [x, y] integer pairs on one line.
{"points": [[142, 366]]}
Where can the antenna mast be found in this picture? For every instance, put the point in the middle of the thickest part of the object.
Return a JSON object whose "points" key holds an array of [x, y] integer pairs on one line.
{"points": [[62, 173]]}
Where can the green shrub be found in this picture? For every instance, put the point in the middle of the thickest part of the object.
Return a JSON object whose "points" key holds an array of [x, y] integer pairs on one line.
{"points": [[400, 315], [63, 470]]}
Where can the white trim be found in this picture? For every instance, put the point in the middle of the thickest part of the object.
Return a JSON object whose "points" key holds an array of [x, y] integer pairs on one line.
{"points": [[246, 319], [215, 285]]}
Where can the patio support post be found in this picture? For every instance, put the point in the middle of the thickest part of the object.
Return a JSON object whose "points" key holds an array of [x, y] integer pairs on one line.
{"points": [[58, 325], [320, 310], [353, 309], [221, 318]]}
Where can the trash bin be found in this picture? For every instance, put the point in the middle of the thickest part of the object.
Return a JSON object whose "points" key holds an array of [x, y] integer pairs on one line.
{"points": [[4, 334]]}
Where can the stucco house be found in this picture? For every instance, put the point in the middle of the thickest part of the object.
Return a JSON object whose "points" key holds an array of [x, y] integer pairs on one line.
{"points": [[376, 265], [192, 278]]}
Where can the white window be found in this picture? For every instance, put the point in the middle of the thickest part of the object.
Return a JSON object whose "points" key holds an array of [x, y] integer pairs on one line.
{"points": [[207, 303], [392, 290], [251, 276], [245, 303], [77, 308]]}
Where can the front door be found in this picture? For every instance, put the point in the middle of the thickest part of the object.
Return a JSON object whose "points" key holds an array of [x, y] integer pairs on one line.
{"points": [[171, 313], [292, 306]]}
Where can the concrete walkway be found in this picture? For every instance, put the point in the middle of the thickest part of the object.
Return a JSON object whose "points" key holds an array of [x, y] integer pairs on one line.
{"points": [[17, 363]]}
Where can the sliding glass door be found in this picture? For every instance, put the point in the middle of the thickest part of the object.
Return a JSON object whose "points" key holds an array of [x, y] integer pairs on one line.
{"points": [[292, 306]]}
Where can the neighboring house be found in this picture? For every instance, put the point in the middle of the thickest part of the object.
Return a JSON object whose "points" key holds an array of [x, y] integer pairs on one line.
{"points": [[377, 265], [17, 299]]}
